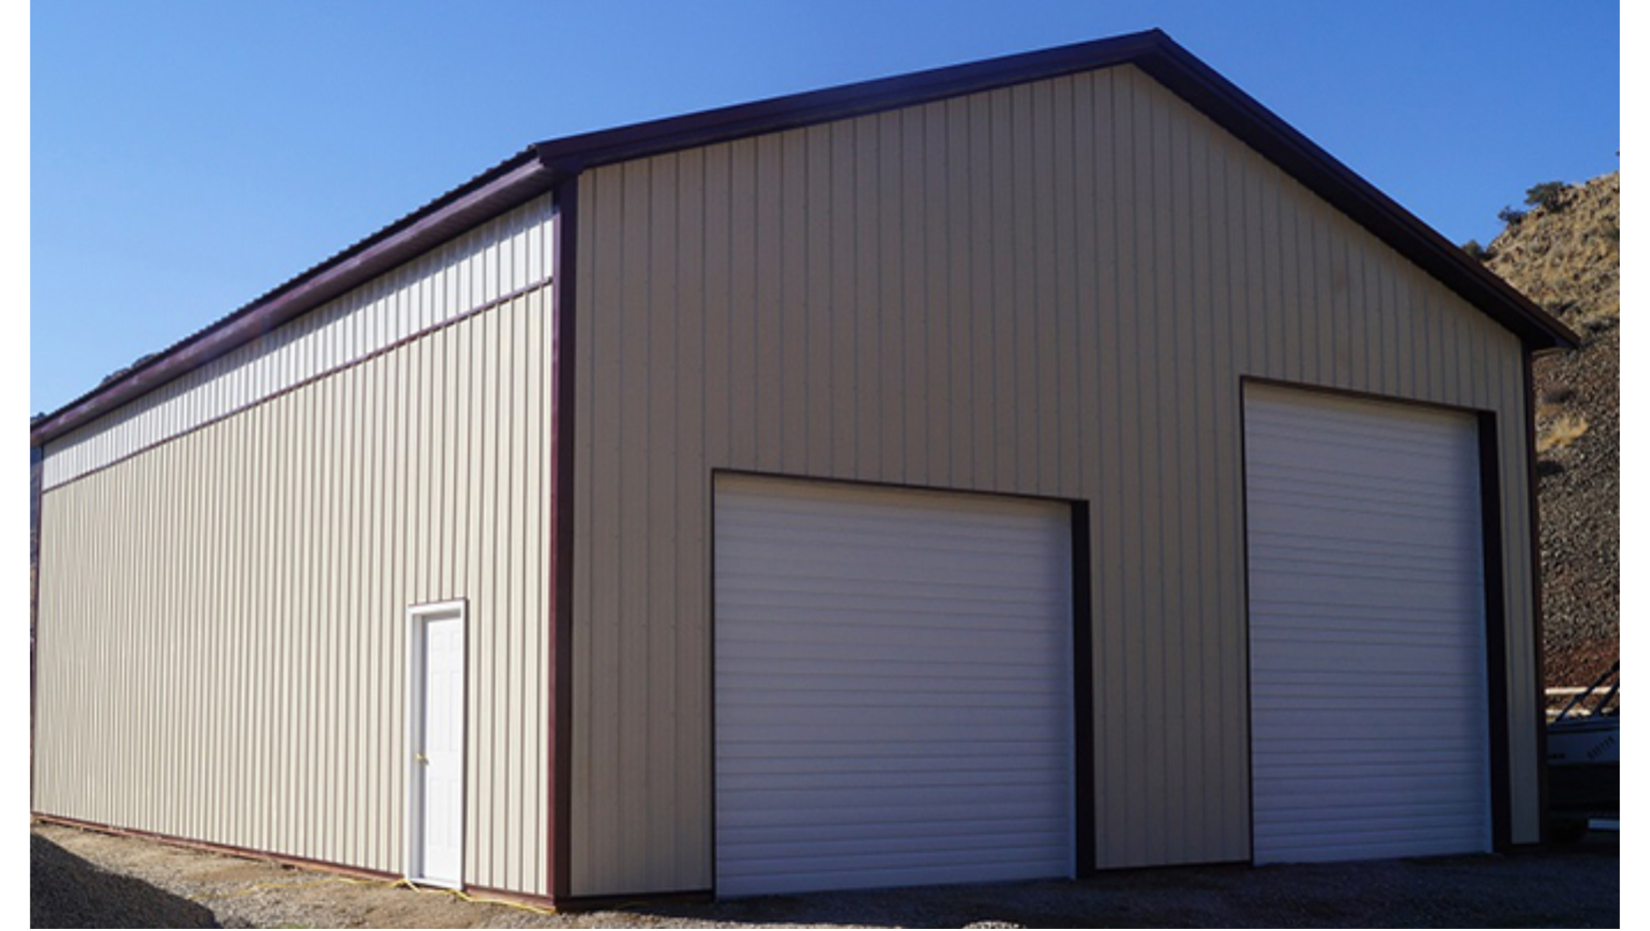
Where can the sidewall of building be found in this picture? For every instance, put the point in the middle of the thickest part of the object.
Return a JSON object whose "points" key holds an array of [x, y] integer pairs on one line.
{"points": [[223, 616]]}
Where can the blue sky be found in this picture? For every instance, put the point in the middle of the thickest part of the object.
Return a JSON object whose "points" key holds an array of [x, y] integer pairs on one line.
{"points": [[187, 156]]}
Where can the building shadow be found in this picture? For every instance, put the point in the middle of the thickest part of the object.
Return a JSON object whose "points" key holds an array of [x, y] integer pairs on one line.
{"points": [[66, 891]]}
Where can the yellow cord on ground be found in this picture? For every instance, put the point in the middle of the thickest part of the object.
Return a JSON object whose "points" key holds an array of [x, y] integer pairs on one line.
{"points": [[467, 897]]}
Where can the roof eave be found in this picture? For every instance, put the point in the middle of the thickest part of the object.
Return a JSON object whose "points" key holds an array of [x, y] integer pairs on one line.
{"points": [[1233, 109], [546, 164], [1159, 56], [507, 185]]}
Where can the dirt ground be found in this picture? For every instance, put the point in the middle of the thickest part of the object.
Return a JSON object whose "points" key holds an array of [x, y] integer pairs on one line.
{"points": [[84, 879]]}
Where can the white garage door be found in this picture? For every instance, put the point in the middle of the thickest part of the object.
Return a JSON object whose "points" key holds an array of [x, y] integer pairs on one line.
{"points": [[893, 687], [1366, 619]]}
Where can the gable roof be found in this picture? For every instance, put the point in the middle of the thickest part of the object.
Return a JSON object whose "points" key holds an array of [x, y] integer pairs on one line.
{"points": [[541, 167]]}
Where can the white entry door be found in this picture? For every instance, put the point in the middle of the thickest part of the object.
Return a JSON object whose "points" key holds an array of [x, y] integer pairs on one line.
{"points": [[436, 745]]}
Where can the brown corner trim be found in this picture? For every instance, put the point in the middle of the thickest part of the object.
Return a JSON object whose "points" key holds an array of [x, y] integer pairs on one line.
{"points": [[325, 866], [37, 477], [318, 376], [1495, 631], [1537, 614], [564, 316], [1248, 625], [1082, 687]]}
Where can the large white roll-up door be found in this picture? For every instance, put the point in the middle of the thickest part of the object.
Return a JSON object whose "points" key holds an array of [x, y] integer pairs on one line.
{"points": [[893, 687], [1366, 617]]}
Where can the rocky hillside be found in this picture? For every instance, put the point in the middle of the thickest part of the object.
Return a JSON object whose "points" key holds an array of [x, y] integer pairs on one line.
{"points": [[1566, 256]]}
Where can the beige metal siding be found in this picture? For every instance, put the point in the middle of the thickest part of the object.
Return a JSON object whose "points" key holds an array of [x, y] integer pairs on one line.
{"points": [[223, 618], [1050, 289], [495, 259]]}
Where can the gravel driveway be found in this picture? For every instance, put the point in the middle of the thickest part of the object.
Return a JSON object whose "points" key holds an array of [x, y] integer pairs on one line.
{"points": [[83, 879]]}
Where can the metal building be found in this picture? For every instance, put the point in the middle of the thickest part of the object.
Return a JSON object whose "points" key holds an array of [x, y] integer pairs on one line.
{"points": [[1044, 465]]}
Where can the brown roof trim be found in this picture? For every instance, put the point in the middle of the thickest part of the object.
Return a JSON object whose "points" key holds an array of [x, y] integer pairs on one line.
{"points": [[489, 194], [1325, 175], [1159, 56], [537, 169], [575, 153]]}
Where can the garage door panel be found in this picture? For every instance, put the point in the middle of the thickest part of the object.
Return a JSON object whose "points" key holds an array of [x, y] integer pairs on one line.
{"points": [[1375, 763], [1415, 636], [1371, 658], [1367, 656], [860, 852], [1367, 431], [787, 628], [931, 802], [1350, 556], [805, 749], [1331, 492], [828, 831], [1011, 865], [801, 699], [851, 682], [887, 777], [1335, 519], [893, 687]]}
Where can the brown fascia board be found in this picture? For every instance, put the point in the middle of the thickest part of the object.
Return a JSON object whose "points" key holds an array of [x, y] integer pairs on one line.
{"points": [[483, 197], [1157, 55], [547, 163]]}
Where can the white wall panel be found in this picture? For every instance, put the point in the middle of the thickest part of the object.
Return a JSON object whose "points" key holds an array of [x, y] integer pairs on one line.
{"points": [[223, 624], [493, 260]]}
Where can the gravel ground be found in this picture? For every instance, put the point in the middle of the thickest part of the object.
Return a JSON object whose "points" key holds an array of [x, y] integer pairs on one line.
{"points": [[84, 879]]}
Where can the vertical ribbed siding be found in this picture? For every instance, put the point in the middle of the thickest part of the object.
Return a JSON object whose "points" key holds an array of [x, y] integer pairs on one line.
{"points": [[491, 261], [223, 618], [1049, 289]]}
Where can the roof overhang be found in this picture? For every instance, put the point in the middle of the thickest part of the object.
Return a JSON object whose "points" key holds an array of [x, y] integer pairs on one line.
{"points": [[542, 166], [1152, 52], [488, 195]]}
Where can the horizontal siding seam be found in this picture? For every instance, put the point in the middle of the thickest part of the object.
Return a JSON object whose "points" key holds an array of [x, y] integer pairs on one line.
{"points": [[319, 376], [404, 299]]}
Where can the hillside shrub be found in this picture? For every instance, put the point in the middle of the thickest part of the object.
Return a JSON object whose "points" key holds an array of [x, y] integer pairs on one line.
{"points": [[1548, 194], [1472, 248], [1510, 216]]}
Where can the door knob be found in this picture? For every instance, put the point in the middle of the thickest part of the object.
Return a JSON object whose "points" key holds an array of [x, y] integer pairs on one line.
{"points": [[421, 758]]}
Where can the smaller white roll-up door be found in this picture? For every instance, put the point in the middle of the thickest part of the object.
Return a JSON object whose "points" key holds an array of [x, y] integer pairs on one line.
{"points": [[893, 687], [1366, 614]]}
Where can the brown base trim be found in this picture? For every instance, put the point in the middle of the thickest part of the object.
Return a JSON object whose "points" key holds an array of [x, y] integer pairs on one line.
{"points": [[609, 903], [483, 894], [227, 849]]}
